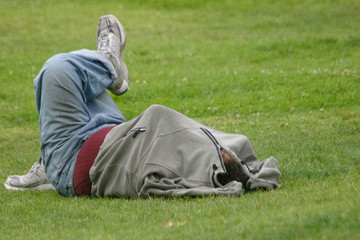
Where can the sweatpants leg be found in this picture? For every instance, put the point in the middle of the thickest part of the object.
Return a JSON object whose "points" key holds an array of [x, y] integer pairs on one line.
{"points": [[72, 104]]}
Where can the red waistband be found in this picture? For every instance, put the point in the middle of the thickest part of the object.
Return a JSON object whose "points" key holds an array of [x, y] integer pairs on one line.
{"points": [[85, 159]]}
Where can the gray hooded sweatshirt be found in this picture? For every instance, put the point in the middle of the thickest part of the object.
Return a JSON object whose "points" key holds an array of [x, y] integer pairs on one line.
{"points": [[163, 152]]}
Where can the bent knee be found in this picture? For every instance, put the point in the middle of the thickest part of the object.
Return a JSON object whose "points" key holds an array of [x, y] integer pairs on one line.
{"points": [[58, 63], [60, 70]]}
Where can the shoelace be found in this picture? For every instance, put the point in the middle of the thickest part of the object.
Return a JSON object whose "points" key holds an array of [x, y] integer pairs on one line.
{"points": [[34, 169], [104, 44]]}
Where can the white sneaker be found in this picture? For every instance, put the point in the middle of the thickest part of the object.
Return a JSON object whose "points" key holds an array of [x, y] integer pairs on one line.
{"points": [[35, 179], [111, 41]]}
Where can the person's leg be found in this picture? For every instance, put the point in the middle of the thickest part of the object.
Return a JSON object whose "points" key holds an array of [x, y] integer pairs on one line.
{"points": [[72, 104]]}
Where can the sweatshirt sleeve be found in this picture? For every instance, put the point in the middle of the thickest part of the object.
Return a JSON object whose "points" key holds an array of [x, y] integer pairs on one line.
{"points": [[267, 175], [173, 187]]}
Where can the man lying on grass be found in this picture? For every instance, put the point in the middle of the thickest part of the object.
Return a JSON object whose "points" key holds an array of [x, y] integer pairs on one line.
{"points": [[88, 149]]}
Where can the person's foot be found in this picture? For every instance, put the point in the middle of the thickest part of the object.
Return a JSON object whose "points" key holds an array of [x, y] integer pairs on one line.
{"points": [[35, 179], [111, 41]]}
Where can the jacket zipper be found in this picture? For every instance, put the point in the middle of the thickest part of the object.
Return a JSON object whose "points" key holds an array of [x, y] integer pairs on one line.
{"points": [[136, 131], [217, 145]]}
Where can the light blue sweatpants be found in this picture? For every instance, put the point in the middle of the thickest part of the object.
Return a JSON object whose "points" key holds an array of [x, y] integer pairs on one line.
{"points": [[72, 104]]}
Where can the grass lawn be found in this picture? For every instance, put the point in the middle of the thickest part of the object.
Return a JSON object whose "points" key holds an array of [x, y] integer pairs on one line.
{"points": [[284, 73]]}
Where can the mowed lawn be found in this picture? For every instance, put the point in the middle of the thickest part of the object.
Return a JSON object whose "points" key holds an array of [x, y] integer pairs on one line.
{"points": [[284, 73]]}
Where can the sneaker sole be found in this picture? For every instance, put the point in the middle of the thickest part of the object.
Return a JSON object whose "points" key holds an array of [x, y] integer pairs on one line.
{"points": [[42, 187], [122, 90]]}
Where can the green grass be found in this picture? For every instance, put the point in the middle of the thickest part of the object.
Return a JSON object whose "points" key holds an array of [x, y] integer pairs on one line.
{"points": [[284, 73]]}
